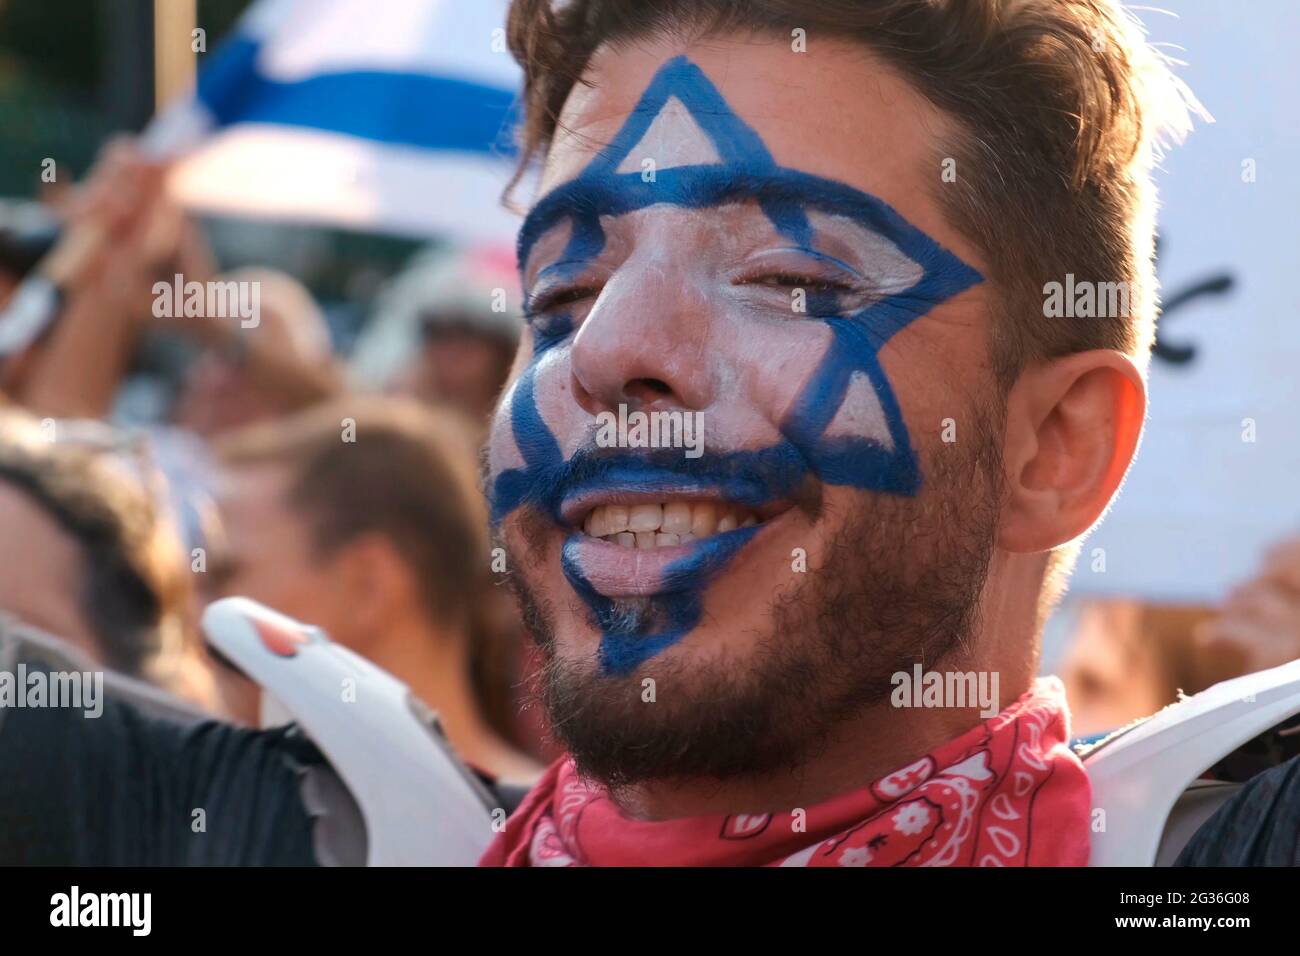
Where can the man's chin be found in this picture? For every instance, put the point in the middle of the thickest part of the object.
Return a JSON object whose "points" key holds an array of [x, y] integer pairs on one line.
{"points": [[690, 712], [634, 702], [707, 659]]}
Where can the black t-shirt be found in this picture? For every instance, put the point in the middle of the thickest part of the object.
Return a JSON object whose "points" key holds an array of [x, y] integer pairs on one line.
{"points": [[1259, 826], [129, 788]]}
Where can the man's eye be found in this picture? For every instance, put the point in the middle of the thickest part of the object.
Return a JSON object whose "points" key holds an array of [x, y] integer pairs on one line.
{"points": [[543, 302], [795, 280]]}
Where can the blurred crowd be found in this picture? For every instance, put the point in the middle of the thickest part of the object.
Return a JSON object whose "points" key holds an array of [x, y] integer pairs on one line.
{"points": [[341, 491], [344, 491]]}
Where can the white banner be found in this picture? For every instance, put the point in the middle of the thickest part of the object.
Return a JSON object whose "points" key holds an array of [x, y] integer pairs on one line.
{"points": [[1218, 475]]}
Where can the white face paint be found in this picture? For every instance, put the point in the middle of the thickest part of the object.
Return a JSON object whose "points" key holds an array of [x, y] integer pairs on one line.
{"points": [[673, 139]]}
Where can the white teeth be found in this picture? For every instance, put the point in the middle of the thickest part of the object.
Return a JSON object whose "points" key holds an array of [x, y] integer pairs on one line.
{"points": [[704, 519], [664, 525], [677, 518], [644, 518], [615, 518]]}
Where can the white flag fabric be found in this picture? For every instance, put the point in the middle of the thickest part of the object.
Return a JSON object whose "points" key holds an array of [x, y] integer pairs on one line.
{"points": [[386, 115]]}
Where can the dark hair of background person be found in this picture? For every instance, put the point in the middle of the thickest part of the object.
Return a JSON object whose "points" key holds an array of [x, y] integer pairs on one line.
{"points": [[128, 587], [416, 484]]}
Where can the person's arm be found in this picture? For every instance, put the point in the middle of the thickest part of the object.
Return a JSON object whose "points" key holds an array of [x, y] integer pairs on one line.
{"points": [[120, 232], [130, 778], [78, 370]]}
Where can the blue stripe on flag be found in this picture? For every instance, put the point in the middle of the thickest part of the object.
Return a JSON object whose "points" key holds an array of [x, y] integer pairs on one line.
{"points": [[404, 109]]}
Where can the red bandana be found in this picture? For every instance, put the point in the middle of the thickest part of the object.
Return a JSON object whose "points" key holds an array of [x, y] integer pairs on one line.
{"points": [[1007, 793]]}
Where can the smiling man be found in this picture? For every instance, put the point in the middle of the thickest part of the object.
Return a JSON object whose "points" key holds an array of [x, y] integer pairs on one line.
{"points": [[824, 229], [824, 233]]}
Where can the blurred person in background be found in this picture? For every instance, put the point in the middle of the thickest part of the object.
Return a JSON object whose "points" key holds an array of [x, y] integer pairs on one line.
{"points": [[122, 236], [89, 554], [124, 263], [445, 330], [221, 391], [1130, 658], [1127, 660], [364, 517], [119, 234], [1258, 625]]}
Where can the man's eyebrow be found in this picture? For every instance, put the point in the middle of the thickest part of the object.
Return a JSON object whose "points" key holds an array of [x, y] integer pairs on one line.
{"points": [[535, 262], [589, 196], [574, 201], [785, 196]]}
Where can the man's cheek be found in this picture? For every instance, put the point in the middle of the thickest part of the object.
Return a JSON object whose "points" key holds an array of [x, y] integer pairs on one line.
{"points": [[503, 460], [781, 361], [563, 418], [502, 451], [539, 410], [530, 541]]}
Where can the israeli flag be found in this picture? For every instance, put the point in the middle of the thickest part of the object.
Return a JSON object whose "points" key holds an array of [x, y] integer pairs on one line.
{"points": [[385, 115]]}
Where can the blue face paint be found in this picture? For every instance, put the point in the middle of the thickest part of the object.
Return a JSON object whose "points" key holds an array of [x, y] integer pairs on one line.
{"points": [[746, 172], [629, 641]]}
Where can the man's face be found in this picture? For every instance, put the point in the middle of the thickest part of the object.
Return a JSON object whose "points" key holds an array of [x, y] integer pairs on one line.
{"points": [[460, 368], [737, 230], [271, 556], [220, 395]]}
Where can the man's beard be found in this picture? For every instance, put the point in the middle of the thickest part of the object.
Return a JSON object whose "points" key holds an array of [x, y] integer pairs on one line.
{"points": [[900, 584]]}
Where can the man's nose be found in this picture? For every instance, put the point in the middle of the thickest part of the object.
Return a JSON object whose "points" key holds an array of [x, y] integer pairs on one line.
{"points": [[644, 344]]}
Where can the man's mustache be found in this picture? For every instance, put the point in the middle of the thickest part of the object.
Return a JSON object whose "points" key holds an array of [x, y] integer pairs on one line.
{"points": [[751, 478]]}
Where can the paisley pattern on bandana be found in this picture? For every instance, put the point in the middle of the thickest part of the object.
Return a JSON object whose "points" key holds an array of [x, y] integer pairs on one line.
{"points": [[1009, 792]]}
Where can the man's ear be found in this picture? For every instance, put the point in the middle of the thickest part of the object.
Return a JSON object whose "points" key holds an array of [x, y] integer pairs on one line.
{"points": [[1073, 426], [376, 584]]}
